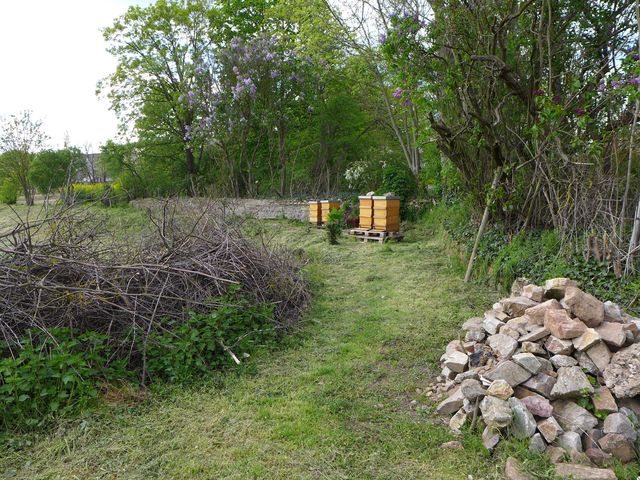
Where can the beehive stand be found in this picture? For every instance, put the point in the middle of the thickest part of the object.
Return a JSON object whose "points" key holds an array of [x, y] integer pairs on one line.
{"points": [[371, 235]]}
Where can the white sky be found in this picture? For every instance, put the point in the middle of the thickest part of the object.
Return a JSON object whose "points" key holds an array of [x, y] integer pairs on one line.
{"points": [[52, 55]]}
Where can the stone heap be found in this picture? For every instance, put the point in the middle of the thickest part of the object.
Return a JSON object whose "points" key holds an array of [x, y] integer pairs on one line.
{"points": [[552, 364]]}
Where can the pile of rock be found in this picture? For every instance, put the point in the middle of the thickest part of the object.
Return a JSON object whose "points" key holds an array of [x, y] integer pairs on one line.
{"points": [[552, 364]]}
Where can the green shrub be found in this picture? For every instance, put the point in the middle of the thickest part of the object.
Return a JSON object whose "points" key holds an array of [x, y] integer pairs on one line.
{"points": [[9, 192], [398, 179], [104, 193], [193, 348], [335, 224], [48, 377]]}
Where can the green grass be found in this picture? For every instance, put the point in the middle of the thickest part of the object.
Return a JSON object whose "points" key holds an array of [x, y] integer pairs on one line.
{"points": [[334, 402]]}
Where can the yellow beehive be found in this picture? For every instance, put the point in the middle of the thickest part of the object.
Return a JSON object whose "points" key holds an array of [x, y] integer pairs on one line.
{"points": [[315, 212], [326, 207], [386, 214], [366, 212]]}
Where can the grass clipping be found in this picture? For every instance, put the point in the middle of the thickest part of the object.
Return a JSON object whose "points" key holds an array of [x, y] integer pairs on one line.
{"points": [[69, 269]]}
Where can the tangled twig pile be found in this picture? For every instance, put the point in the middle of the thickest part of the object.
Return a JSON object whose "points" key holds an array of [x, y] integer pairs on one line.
{"points": [[68, 270], [551, 364]]}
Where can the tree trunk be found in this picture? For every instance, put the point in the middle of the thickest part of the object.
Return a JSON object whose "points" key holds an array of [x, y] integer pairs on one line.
{"points": [[483, 224], [191, 188], [282, 151]]}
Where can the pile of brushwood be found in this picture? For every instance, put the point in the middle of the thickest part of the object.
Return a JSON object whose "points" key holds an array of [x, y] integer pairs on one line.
{"points": [[190, 290]]}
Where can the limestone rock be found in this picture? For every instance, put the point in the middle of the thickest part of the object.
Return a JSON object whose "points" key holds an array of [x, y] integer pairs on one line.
{"points": [[511, 332], [537, 444], [474, 335], [600, 356], [452, 445], [556, 287], [620, 423], [452, 403], [456, 361], [538, 405], [541, 383], [558, 347], [603, 401], [570, 441], [503, 345], [510, 371], [618, 446], [584, 306], [536, 313], [555, 454], [562, 326], [471, 389], [500, 389], [528, 361], [458, 420], [550, 429], [622, 375], [571, 382], [613, 334], [492, 325], [597, 456], [535, 335], [590, 438], [588, 339], [517, 286], [586, 363], [572, 417], [512, 470], [473, 323], [533, 292], [495, 412], [612, 312], [582, 472], [516, 306], [523, 425], [530, 347], [563, 361], [519, 324], [490, 438], [469, 374]]}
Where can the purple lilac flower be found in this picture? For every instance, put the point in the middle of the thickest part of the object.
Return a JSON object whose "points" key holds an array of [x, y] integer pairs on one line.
{"points": [[407, 103], [579, 111], [617, 84], [382, 38], [557, 99], [538, 92], [602, 87], [634, 81], [275, 74], [636, 57], [397, 93]]}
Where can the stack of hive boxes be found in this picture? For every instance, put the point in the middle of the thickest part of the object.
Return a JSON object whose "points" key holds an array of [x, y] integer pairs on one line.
{"points": [[380, 213]]}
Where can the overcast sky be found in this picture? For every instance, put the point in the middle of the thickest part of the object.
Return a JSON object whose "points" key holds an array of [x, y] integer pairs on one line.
{"points": [[52, 55]]}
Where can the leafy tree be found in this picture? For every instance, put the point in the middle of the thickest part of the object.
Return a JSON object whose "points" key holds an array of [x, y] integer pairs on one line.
{"points": [[21, 136], [53, 169], [158, 49]]}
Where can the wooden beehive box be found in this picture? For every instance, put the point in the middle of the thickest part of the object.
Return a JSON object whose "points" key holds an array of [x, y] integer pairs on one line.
{"points": [[386, 214], [315, 212], [326, 207], [366, 211]]}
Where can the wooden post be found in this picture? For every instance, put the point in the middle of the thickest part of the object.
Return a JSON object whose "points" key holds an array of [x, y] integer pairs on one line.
{"points": [[483, 224], [633, 243]]}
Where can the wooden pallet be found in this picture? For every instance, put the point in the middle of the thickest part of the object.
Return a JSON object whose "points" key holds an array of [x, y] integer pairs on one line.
{"points": [[367, 235]]}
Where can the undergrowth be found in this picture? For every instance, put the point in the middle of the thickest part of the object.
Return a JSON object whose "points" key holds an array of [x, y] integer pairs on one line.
{"points": [[535, 255]]}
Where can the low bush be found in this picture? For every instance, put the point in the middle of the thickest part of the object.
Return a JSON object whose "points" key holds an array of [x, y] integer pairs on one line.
{"points": [[9, 192], [335, 224], [53, 373], [207, 341], [108, 194]]}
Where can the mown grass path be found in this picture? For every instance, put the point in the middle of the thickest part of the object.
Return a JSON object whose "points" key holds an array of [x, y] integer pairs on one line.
{"points": [[334, 403]]}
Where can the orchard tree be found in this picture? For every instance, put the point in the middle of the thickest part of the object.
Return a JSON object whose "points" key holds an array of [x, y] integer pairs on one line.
{"points": [[21, 136]]}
